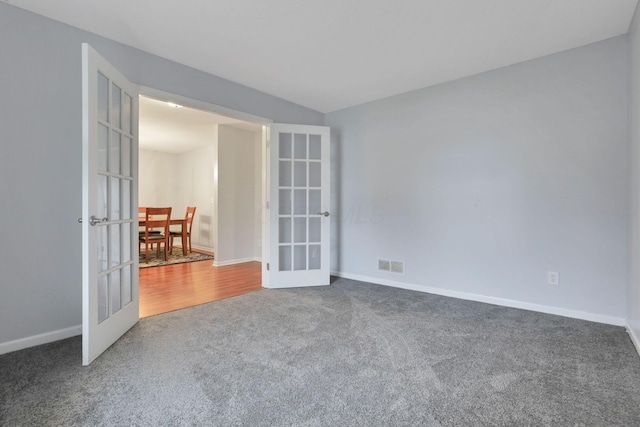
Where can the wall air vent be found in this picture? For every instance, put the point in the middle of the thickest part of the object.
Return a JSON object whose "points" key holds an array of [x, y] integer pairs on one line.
{"points": [[391, 266], [397, 267], [384, 265]]}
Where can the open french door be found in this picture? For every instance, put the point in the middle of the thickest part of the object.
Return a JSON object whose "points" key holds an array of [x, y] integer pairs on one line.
{"points": [[109, 199], [299, 223]]}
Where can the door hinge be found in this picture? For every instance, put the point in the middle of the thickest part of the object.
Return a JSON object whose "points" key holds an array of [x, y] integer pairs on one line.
{"points": [[267, 266], [268, 205]]}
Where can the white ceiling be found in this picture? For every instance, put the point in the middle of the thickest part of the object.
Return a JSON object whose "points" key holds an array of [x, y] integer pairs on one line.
{"points": [[332, 54], [178, 130]]}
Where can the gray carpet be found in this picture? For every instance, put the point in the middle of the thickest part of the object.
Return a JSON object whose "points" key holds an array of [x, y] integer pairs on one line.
{"points": [[346, 355]]}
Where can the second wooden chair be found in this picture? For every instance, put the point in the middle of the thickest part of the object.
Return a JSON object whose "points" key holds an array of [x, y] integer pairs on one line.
{"points": [[188, 217]]}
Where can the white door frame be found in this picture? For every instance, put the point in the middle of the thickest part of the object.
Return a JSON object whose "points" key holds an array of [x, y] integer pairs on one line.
{"points": [[239, 115]]}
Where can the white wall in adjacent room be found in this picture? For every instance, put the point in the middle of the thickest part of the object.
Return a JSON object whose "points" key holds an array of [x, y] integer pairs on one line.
{"points": [[196, 189], [236, 195], [178, 181], [159, 183]]}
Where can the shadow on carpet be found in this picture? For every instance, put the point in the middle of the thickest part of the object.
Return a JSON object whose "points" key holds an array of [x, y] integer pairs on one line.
{"points": [[176, 258]]}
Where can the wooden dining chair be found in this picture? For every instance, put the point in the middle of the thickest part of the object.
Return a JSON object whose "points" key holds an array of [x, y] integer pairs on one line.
{"points": [[156, 219], [142, 211], [188, 217]]}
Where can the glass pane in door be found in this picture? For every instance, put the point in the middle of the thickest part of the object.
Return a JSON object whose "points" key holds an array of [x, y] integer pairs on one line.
{"points": [[126, 156], [300, 202], [300, 230], [114, 201], [315, 202], [285, 258], [299, 174], [285, 146], [285, 173], [116, 303], [314, 174], [300, 146], [314, 229], [102, 238], [114, 233], [103, 297], [127, 107], [126, 283], [103, 147], [126, 199], [126, 242], [103, 98], [315, 147], [285, 230], [116, 102], [300, 257], [114, 160], [285, 202], [314, 257], [101, 196]]}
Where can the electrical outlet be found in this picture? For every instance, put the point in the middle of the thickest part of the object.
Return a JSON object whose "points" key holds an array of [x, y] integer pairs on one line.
{"points": [[553, 278]]}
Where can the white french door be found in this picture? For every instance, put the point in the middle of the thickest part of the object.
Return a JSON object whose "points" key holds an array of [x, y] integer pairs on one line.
{"points": [[109, 200], [299, 223]]}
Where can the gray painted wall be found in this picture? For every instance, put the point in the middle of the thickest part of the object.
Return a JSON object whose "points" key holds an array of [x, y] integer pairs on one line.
{"points": [[484, 184], [40, 133], [633, 294]]}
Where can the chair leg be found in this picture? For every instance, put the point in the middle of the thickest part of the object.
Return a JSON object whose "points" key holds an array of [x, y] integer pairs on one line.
{"points": [[171, 245]]}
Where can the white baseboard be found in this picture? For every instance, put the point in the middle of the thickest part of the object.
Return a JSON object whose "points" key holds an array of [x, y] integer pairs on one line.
{"points": [[635, 339], [202, 248], [217, 263], [47, 337], [575, 314]]}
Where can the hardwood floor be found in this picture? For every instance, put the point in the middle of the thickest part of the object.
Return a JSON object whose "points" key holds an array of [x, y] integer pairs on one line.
{"points": [[177, 286]]}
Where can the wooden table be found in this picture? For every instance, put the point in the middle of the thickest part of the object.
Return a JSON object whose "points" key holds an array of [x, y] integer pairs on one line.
{"points": [[173, 221]]}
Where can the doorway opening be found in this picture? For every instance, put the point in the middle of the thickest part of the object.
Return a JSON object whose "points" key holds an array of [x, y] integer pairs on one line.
{"points": [[192, 156]]}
